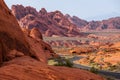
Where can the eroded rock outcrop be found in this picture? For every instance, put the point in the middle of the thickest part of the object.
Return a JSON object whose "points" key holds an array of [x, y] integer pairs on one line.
{"points": [[11, 36], [42, 50], [35, 33], [49, 23], [23, 11]]}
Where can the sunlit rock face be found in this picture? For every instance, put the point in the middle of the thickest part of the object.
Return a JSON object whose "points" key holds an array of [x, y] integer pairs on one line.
{"points": [[11, 36], [16, 42]]}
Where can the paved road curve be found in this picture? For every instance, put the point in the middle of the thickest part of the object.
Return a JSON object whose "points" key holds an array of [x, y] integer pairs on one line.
{"points": [[107, 73]]}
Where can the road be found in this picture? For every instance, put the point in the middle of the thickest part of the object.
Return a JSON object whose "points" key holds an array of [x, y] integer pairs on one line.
{"points": [[107, 73]]}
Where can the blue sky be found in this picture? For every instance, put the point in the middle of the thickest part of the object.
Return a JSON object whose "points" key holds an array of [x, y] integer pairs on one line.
{"points": [[85, 9]]}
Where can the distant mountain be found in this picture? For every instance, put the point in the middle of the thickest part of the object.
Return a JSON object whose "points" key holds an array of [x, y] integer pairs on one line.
{"points": [[112, 23], [49, 23], [57, 24], [77, 21]]}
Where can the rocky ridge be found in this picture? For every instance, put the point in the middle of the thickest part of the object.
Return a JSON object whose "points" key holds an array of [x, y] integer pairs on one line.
{"points": [[49, 23], [57, 24], [111, 23]]}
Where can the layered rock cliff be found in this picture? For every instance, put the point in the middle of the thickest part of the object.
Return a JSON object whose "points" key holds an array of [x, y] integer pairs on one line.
{"points": [[49, 23]]}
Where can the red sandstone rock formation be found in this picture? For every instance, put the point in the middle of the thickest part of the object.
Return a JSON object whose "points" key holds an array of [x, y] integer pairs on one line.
{"points": [[57, 24], [11, 36], [49, 23], [35, 33], [34, 70], [23, 57]]}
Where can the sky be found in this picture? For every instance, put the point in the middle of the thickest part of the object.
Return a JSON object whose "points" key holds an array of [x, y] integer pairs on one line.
{"points": [[84, 9]]}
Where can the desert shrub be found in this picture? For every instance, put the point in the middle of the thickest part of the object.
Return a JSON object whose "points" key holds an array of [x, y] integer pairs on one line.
{"points": [[110, 78], [68, 63], [112, 67], [93, 70], [63, 62]]}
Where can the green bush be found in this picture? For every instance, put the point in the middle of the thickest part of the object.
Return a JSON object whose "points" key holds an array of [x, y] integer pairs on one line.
{"points": [[68, 63], [93, 70], [64, 62]]}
